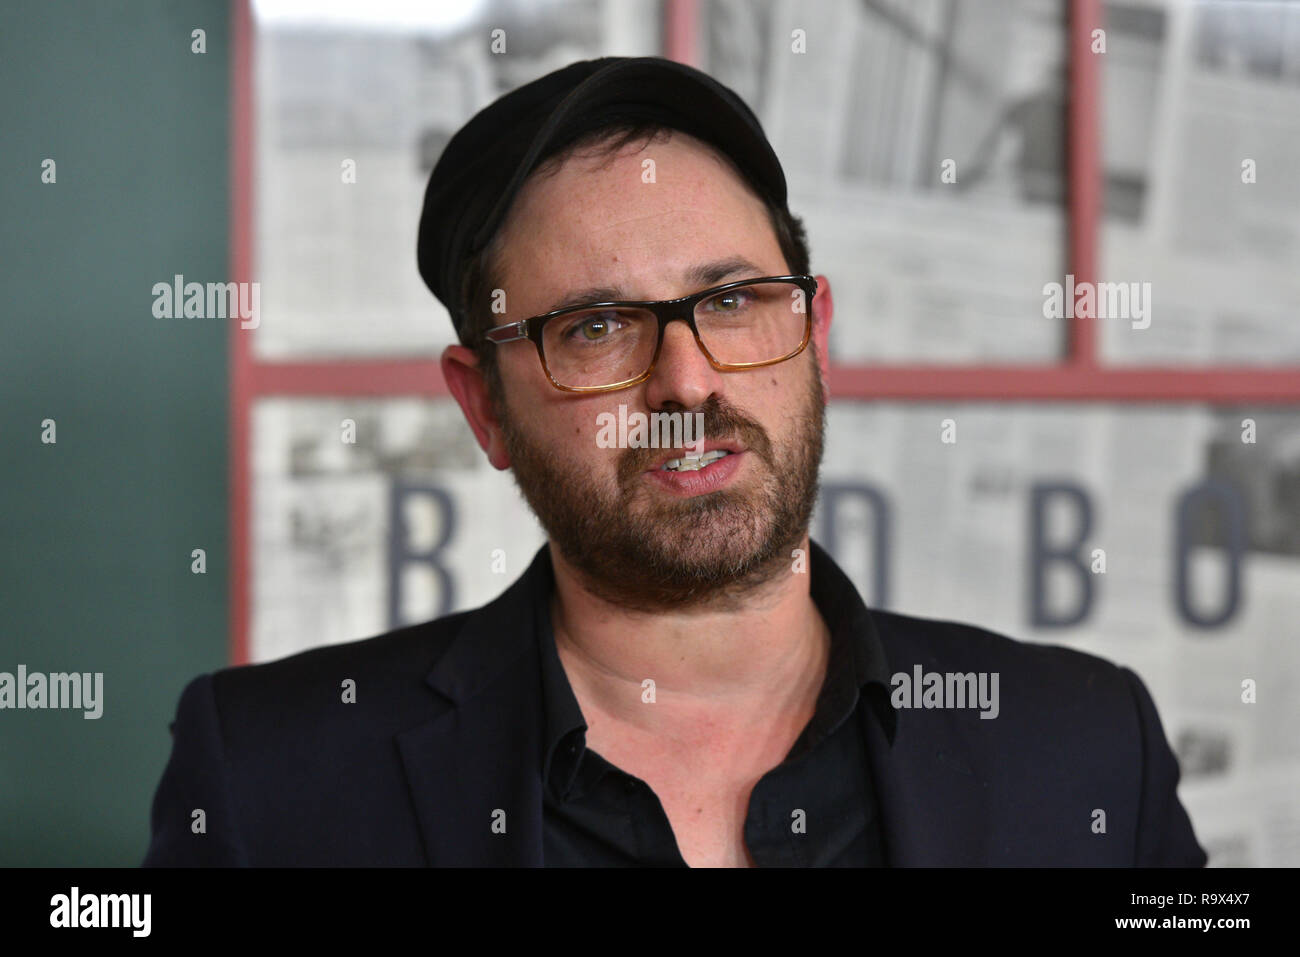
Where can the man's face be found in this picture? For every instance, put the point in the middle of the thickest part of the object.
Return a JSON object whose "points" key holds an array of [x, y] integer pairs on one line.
{"points": [[635, 539]]}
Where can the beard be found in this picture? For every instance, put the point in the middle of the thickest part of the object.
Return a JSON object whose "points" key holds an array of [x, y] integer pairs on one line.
{"points": [[644, 549]]}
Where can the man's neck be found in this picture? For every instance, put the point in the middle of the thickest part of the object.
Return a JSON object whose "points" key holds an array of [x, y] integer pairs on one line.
{"points": [[727, 668]]}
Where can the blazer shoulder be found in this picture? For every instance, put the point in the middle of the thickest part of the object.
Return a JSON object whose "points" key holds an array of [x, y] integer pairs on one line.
{"points": [[381, 679], [412, 649], [947, 645], [1041, 686]]}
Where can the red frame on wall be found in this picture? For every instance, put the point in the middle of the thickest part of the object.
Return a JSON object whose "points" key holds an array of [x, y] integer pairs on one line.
{"points": [[1078, 377]]}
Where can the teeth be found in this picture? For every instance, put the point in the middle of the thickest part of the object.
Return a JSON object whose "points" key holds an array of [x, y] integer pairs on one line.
{"points": [[693, 463]]}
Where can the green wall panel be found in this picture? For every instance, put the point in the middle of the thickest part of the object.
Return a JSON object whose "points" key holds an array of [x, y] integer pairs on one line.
{"points": [[96, 530]]}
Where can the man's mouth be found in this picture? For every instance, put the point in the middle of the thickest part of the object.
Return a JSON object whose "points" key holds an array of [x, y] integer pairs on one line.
{"points": [[693, 463]]}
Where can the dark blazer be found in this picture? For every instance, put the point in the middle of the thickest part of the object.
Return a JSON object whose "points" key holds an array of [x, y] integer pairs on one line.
{"points": [[446, 731]]}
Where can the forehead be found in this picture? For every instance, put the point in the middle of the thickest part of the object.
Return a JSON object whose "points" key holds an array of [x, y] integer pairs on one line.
{"points": [[639, 218]]}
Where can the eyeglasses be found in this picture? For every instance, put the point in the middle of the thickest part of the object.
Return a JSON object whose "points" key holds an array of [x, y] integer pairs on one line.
{"points": [[601, 346]]}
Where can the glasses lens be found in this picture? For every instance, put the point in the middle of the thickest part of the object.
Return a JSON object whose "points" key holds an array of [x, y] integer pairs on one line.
{"points": [[600, 347], [755, 323]]}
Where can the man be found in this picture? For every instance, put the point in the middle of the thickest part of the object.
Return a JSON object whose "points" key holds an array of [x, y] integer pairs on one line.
{"points": [[682, 676]]}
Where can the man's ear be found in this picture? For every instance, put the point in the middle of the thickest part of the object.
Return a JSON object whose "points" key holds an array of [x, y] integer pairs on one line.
{"points": [[466, 382], [823, 307]]}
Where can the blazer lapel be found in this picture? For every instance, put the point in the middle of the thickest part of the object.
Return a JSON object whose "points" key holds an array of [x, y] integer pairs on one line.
{"points": [[475, 770], [933, 804]]}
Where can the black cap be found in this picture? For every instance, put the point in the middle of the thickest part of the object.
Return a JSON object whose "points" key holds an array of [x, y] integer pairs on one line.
{"points": [[487, 161]]}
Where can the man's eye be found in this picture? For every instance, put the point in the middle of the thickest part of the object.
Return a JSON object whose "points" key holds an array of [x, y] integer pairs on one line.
{"points": [[729, 301], [592, 328]]}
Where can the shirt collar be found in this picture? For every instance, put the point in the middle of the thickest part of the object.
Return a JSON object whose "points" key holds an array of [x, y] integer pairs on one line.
{"points": [[857, 666]]}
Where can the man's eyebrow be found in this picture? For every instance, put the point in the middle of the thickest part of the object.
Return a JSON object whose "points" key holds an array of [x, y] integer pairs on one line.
{"points": [[711, 274], [700, 276]]}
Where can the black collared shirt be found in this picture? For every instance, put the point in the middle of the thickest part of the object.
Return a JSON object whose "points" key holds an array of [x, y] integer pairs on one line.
{"points": [[816, 808]]}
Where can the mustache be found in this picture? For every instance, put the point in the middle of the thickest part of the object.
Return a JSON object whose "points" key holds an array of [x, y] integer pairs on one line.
{"points": [[721, 422]]}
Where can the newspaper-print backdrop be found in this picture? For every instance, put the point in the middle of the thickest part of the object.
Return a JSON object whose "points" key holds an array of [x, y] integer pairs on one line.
{"points": [[1201, 530]]}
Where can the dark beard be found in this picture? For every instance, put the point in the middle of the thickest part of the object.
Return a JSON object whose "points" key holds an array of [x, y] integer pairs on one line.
{"points": [[707, 550]]}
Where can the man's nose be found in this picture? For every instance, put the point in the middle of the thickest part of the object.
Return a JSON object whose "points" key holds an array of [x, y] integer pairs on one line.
{"points": [[682, 373]]}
